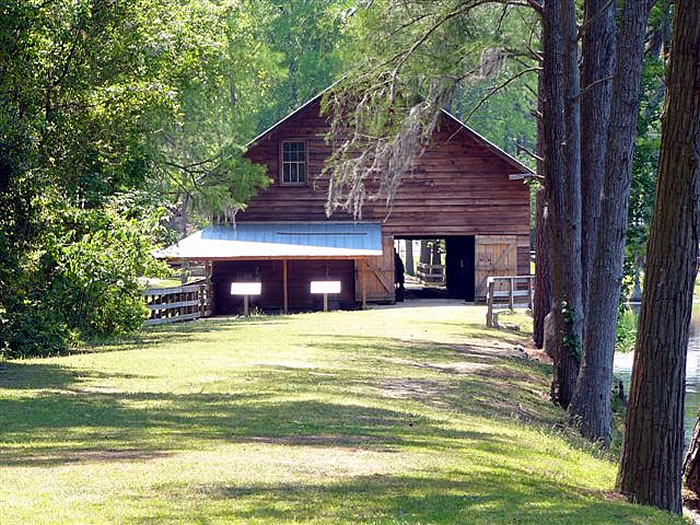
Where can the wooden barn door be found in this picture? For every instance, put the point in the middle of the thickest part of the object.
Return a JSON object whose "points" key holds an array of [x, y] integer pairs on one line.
{"points": [[377, 274], [495, 255]]}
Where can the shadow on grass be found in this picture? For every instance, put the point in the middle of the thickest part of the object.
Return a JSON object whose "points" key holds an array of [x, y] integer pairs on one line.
{"points": [[109, 428], [499, 495], [78, 415]]}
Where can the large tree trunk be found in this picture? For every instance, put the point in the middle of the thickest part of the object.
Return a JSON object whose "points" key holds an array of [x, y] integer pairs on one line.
{"points": [[563, 189], [691, 468], [652, 451], [543, 289], [590, 406], [598, 51], [543, 293]]}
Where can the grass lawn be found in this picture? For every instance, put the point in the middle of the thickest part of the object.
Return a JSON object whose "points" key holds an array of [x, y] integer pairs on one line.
{"points": [[396, 415]]}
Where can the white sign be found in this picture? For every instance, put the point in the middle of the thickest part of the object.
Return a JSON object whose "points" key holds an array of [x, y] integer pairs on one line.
{"points": [[246, 288], [325, 287]]}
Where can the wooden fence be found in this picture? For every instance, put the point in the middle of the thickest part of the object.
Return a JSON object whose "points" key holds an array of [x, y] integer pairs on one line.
{"points": [[431, 273], [181, 303], [507, 293]]}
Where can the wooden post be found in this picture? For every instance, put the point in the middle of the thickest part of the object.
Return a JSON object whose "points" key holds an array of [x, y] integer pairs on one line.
{"points": [[489, 302], [285, 285], [325, 302], [363, 283], [245, 305], [529, 293], [510, 298], [210, 289]]}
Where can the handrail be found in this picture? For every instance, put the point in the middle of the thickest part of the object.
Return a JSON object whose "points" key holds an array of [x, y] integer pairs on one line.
{"points": [[512, 293], [178, 303]]}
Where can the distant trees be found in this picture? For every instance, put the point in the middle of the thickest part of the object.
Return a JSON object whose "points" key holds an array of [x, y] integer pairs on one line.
{"points": [[650, 467]]}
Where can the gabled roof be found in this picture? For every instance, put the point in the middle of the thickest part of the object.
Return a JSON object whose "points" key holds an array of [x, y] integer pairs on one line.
{"points": [[521, 169], [280, 240]]}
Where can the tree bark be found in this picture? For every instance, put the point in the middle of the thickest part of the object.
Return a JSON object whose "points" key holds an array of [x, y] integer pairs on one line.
{"points": [[591, 405], [425, 252], [650, 466], [561, 121], [410, 266], [598, 51], [691, 467], [543, 291], [543, 288]]}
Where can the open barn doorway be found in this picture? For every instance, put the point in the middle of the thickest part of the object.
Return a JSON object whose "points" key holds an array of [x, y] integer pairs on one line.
{"points": [[436, 268]]}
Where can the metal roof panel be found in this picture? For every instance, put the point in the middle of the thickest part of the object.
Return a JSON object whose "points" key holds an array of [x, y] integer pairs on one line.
{"points": [[279, 240]]}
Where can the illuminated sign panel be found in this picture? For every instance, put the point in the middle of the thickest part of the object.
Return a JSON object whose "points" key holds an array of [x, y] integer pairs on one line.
{"points": [[246, 288], [325, 287]]}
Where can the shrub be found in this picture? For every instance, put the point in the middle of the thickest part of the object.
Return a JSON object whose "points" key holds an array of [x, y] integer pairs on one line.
{"points": [[626, 330]]}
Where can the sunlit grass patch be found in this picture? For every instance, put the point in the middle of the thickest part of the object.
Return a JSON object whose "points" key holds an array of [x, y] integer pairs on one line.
{"points": [[393, 415]]}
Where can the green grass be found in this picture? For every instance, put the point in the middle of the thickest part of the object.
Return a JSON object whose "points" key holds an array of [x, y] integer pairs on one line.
{"points": [[154, 282], [396, 415]]}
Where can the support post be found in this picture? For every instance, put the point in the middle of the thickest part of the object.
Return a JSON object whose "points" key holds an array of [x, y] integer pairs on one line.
{"points": [[245, 305], [511, 303], [285, 285], [489, 303], [363, 283], [325, 302]]}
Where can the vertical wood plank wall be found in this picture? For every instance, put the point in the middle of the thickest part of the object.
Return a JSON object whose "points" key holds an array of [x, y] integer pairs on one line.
{"points": [[459, 186]]}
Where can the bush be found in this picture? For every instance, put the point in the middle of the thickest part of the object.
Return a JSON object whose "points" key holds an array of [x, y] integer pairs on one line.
{"points": [[82, 284], [626, 330]]}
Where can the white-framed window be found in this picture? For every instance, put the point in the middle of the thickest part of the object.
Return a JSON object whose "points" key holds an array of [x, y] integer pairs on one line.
{"points": [[293, 157]]}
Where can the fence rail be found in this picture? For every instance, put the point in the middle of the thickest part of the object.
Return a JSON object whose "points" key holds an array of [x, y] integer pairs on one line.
{"points": [[507, 292], [180, 303], [431, 273]]}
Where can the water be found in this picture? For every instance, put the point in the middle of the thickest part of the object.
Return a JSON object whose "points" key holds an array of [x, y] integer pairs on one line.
{"points": [[622, 368]]}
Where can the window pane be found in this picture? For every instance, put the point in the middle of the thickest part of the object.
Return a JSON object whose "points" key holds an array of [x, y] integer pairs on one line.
{"points": [[293, 162]]}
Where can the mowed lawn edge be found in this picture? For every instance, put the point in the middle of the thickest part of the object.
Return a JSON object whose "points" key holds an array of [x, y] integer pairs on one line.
{"points": [[415, 414]]}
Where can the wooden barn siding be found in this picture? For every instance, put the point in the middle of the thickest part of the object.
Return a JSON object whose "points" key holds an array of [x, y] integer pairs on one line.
{"points": [[458, 187], [300, 274]]}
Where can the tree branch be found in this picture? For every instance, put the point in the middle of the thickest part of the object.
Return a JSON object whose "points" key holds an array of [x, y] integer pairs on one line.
{"points": [[497, 88]]}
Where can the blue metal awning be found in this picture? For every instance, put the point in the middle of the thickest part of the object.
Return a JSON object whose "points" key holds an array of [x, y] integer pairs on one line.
{"points": [[288, 240]]}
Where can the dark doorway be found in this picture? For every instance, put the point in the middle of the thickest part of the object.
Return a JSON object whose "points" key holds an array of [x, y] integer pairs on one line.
{"points": [[459, 267], [454, 253]]}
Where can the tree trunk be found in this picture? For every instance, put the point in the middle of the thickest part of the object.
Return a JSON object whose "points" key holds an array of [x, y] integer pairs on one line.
{"points": [[598, 51], [691, 468], [410, 270], [543, 289], [590, 407], [435, 253], [425, 252], [650, 466], [543, 297], [563, 189]]}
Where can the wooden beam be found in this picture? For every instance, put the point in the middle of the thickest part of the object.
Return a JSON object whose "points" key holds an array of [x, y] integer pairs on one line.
{"points": [[363, 283], [285, 286]]}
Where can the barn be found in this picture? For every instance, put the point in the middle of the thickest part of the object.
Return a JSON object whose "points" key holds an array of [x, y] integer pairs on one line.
{"points": [[463, 189]]}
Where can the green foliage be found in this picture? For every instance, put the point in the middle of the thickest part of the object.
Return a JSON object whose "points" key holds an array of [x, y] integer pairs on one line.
{"points": [[571, 342], [82, 284], [411, 59], [627, 321], [112, 115]]}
